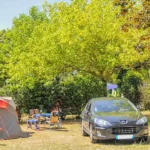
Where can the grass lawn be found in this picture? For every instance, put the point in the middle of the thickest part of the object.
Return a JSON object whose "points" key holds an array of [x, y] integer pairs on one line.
{"points": [[68, 138]]}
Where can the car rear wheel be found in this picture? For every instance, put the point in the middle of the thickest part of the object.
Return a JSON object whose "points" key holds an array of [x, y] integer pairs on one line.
{"points": [[82, 130], [91, 135]]}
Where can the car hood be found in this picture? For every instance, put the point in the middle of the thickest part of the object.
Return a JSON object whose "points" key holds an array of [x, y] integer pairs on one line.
{"points": [[117, 116]]}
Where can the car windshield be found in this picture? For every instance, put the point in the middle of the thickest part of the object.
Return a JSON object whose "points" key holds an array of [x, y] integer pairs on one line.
{"points": [[114, 106]]}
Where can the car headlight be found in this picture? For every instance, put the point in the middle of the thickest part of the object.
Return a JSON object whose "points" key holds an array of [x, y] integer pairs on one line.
{"points": [[142, 120], [101, 122]]}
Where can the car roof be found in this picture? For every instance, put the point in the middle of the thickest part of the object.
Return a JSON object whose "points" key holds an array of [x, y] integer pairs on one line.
{"points": [[108, 98]]}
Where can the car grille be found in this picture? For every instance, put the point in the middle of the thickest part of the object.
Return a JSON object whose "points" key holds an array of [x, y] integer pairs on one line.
{"points": [[124, 130]]}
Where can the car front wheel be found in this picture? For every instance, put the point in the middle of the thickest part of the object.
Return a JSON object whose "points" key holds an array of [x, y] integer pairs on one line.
{"points": [[91, 135]]}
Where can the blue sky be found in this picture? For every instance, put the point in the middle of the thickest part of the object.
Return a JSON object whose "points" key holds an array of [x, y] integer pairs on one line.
{"points": [[12, 8]]}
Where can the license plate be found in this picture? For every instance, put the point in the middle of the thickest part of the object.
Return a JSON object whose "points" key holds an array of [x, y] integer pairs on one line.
{"points": [[121, 137]]}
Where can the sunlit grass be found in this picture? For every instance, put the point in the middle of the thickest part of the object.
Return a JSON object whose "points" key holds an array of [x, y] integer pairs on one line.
{"points": [[67, 138]]}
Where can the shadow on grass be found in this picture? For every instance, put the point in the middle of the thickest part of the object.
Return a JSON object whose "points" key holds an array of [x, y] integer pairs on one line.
{"points": [[58, 129], [123, 142], [71, 121], [3, 145], [29, 134]]}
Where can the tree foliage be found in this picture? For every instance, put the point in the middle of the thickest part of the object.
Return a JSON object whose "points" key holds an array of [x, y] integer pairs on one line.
{"points": [[71, 93], [3, 58], [83, 36], [105, 39]]}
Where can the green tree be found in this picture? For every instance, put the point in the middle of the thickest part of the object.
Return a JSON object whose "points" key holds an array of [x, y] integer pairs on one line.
{"points": [[19, 36], [83, 36], [137, 14], [3, 58], [90, 37]]}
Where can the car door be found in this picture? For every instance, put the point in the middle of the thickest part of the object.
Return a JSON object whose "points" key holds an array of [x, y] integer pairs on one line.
{"points": [[87, 116]]}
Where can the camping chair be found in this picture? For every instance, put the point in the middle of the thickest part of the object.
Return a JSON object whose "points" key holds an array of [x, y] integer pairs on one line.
{"points": [[54, 120], [35, 122]]}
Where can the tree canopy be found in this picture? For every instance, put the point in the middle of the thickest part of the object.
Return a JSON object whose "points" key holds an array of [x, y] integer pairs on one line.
{"points": [[106, 39], [86, 36]]}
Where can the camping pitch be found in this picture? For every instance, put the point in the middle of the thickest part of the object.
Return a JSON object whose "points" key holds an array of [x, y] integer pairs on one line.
{"points": [[9, 127]]}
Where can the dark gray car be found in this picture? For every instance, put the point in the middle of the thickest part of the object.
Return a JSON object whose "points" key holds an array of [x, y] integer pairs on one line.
{"points": [[113, 118]]}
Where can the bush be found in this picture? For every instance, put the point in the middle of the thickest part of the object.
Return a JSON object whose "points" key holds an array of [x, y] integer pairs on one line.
{"points": [[71, 94], [145, 92]]}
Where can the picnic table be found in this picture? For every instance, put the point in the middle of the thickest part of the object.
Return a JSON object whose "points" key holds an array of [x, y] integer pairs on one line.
{"points": [[36, 120], [42, 115]]}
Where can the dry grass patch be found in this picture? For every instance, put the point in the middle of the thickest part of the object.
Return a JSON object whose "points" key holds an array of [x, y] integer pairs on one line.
{"points": [[68, 138]]}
